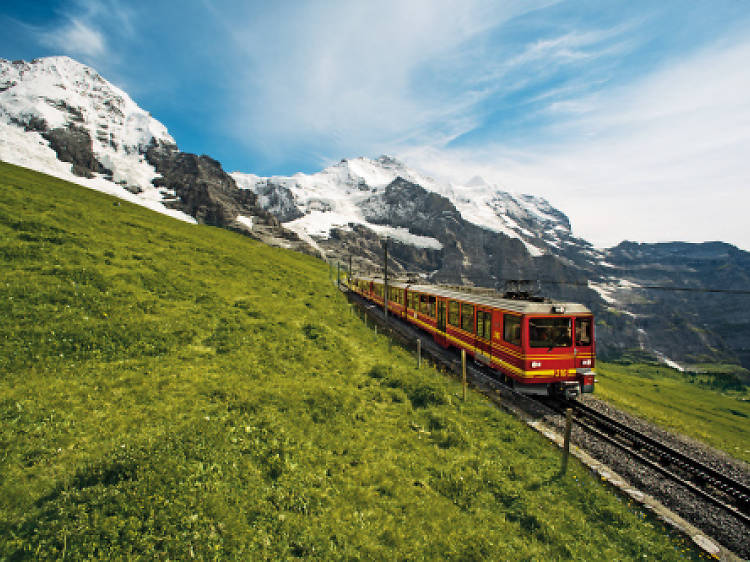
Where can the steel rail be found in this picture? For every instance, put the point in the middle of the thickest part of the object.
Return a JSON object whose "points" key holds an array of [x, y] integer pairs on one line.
{"points": [[717, 479], [728, 486]]}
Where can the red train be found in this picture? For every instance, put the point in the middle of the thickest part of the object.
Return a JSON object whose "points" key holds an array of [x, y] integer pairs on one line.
{"points": [[543, 348]]}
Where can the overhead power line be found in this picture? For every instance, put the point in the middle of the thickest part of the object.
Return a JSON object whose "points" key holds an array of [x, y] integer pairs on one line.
{"points": [[405, 277], [654, 287]]}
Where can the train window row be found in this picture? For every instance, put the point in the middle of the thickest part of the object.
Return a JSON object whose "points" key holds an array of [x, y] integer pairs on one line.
{"points": [[461, 315], [543, 332]]}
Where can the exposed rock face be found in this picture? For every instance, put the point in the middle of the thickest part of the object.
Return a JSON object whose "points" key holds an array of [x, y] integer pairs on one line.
{"points": [[277, 200], [691, 326], [73, 144], [470, 253], [203, 189]]}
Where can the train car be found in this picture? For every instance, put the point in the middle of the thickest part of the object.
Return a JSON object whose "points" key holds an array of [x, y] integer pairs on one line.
{"points": [[540, 347]]}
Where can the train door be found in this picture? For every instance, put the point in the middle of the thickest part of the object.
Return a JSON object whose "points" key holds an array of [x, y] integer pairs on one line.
{"points": [[440, 336], [483, 340]]}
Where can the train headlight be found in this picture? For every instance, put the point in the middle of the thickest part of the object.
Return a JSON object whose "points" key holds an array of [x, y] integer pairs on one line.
{"points": [[536, 364], [586, 362]]}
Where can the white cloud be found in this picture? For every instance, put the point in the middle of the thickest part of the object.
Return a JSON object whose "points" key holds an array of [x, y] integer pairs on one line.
{"points": [[662, 159], [348, 73], [77, 38]]}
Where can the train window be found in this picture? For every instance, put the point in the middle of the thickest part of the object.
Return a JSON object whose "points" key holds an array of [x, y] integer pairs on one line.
{"points": [[379, 290], [467, 317], [512, 329], [550, 332], [453, 313], [583, 331], [410, 300], [427, 305], [484, 324]]}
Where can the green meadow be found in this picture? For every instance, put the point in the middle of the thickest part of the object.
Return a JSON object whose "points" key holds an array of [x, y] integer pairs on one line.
{"points": [[177, 391], [712, 406]]}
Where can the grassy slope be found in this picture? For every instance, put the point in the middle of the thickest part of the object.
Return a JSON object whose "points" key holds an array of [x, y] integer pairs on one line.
{"points": [[666, 397], [176, 390]]}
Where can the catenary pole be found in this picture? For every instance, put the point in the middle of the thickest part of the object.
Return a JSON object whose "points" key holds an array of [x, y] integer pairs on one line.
{"points": [[385, 283]]}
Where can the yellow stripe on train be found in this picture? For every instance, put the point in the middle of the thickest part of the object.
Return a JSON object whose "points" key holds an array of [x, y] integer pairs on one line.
{"points": [[495, 359]]}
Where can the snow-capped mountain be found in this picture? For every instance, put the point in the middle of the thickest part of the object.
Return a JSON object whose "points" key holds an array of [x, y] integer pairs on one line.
{"points": [[345, 194], [61, 117]]}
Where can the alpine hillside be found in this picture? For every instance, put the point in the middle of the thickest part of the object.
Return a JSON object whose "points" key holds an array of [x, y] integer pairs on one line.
{"points": [[61, 117]]}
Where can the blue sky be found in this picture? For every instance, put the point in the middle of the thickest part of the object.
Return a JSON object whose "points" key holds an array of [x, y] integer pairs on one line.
{"points": [[631, 117]]}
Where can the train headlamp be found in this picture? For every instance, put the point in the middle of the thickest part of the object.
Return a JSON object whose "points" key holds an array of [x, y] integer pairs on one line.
{"points": [[558, 309]]}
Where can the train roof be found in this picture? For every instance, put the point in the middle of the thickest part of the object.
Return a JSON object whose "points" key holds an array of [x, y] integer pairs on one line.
{"points": [[522, 306]]}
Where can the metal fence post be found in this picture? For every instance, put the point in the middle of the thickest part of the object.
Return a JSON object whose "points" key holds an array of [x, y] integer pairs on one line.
{"points": [[566, 439], [463, 371]]}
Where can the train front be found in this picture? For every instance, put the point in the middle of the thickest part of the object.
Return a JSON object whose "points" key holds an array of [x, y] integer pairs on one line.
{"points": [[560, 350]]}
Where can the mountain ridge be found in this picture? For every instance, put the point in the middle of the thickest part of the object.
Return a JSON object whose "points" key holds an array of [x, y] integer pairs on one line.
{"points": [[61, 117]]}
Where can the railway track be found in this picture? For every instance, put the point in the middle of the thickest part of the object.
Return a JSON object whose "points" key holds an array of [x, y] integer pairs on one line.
{"points": [[711, 485]]}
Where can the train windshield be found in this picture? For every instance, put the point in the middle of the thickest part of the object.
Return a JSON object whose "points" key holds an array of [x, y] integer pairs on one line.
{"points": [[550, 332]]}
